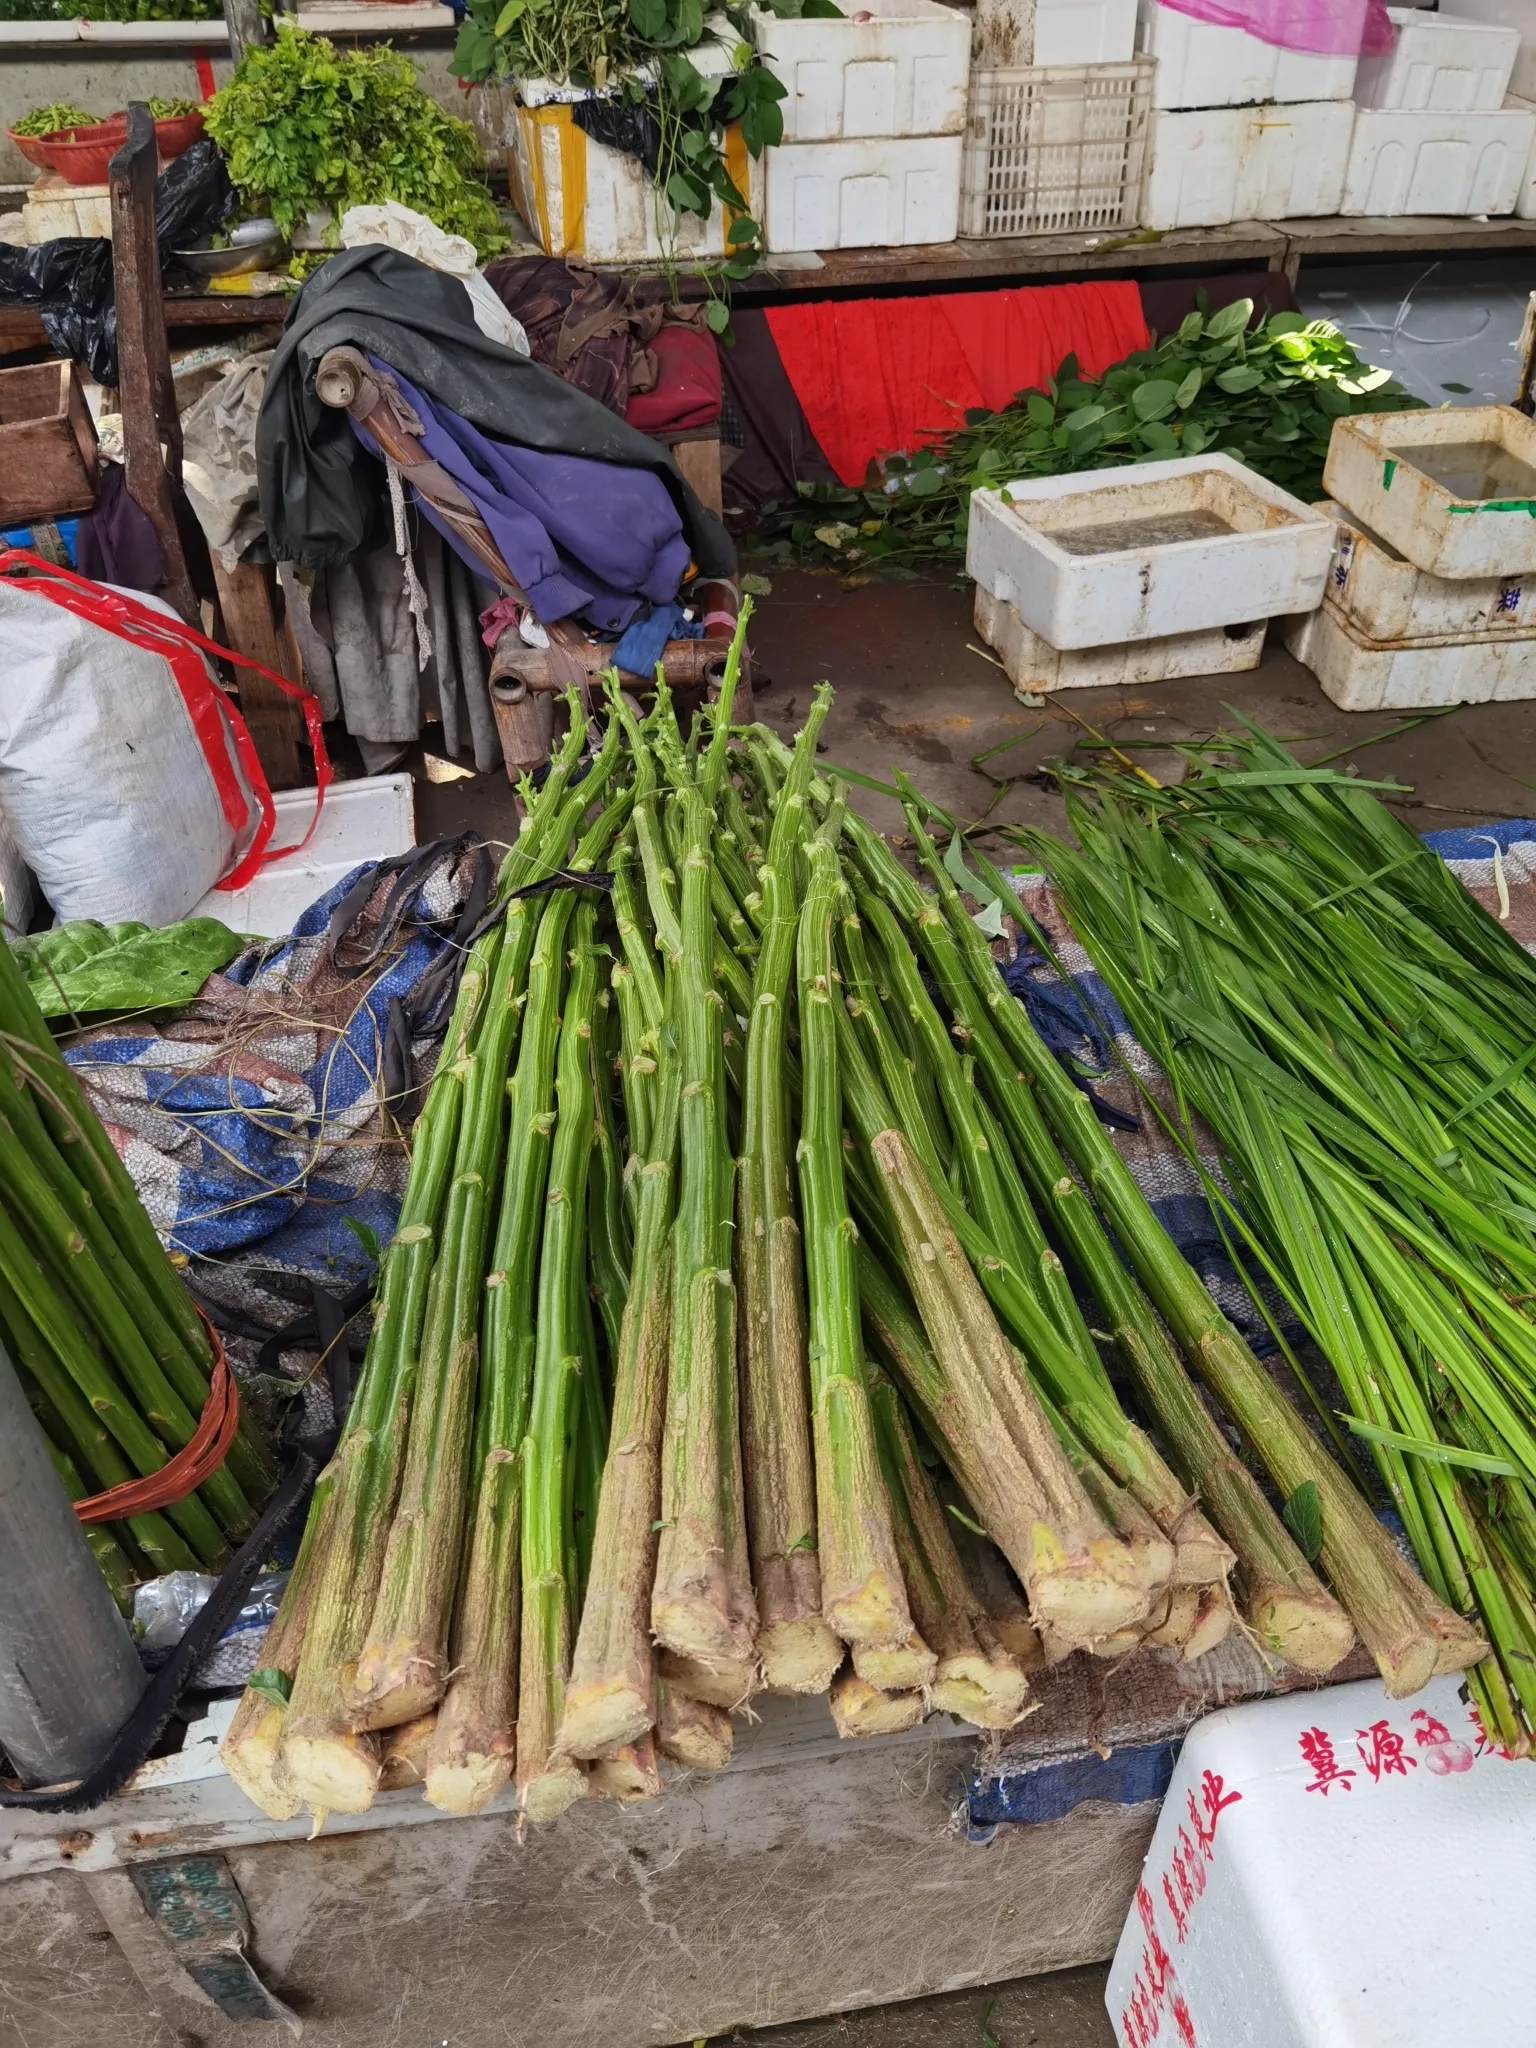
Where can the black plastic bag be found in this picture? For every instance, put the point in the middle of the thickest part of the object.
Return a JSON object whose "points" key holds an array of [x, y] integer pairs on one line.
{"points": [[70, 280]]}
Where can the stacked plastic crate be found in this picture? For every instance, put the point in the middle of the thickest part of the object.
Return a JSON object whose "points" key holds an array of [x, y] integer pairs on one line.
{"points": [[1436, 131], [1431, 595], [874, 114], [1055, 140], [1136, 575], [1242, 129]]}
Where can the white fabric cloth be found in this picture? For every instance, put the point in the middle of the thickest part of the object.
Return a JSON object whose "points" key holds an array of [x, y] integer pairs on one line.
{"points": [[400, 227]]}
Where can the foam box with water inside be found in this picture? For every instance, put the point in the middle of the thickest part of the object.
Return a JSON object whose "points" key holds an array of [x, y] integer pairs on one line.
{"points": [[1454, 491], [369, 819], [1153, 549], [1334, 1869]]}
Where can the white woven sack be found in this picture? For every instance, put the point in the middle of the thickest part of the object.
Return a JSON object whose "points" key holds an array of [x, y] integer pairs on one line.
{"points": [[103, 780]]}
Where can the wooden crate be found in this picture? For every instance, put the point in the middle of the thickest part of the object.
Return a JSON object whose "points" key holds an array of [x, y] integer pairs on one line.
{"points": [[47, 442]]}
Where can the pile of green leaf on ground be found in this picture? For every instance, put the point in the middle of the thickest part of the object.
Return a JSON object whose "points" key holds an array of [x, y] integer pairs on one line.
{"points": [[307, 128], [1266, 394]]}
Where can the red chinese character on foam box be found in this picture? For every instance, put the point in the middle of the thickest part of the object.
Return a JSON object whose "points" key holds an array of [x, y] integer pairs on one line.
{"points": [[1316, 1747], [1214, 1801], [1382, 1752], [1156, 1986], [1485, 1742], [1442, 1752]]}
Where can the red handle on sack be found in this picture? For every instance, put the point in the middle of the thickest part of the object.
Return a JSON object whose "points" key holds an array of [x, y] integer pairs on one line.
{"points": [[212, 714]]}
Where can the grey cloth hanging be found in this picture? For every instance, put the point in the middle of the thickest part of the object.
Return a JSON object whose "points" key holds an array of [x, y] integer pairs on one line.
{"points": [[467, 601], [372, 637], [434, 572]]}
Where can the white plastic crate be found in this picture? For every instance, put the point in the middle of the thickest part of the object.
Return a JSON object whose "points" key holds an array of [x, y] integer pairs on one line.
{"points": [[902, 71], [1035, 667], [369, 819], [1084, 31], [1381, 594], [1049, 150], [1453, 490], [862, 195], [1445, 61], [1246, 163], [1200, 64], [1403, 161], [1152, 549], [1520, 15], [1359, 673], [1334, 1869]]}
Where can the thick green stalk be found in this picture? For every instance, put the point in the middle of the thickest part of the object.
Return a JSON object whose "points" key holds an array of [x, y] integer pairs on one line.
{"points": [[607, 1231], [700, 1607], [611, 1697], [975, 1678], [862, 1594], [800, 1652], [102, 1538], [546, 1783], [65, 1361], [471, 1753]]}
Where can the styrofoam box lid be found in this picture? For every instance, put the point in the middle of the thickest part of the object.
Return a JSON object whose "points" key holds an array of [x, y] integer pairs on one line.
{"points": [[369, 819], [1451, 25]]}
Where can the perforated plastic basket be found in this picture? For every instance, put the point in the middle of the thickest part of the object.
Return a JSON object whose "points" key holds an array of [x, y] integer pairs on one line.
{"points": [[1056, 148]]}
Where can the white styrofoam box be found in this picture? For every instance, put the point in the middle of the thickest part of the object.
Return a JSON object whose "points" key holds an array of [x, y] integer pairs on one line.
{"points": [[1445, 61], [1247, 163], [1406, 161], [581, 198], [1050, 149], [1525, 205], [1520, 15], [1200, 64], [900, 71], [1386, 598], [1371, 470], [1083, 561], [369, 819], [1084, 31], [1035, 667], [1327, 1872], [53, 209], [860, 195], [1359, 673]]}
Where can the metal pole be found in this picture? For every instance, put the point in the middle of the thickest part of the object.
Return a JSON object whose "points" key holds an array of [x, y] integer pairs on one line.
{"points": [[69, 1674]]}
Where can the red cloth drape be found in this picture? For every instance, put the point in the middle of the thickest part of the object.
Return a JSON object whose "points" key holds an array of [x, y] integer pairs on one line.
{"points": [[878, 375]]}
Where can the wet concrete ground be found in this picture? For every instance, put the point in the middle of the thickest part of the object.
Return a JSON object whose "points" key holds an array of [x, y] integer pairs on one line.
{"points": [[913, 693]]}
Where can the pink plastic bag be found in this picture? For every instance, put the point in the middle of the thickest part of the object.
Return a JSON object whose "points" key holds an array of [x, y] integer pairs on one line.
{"points": [[1330, 28]]}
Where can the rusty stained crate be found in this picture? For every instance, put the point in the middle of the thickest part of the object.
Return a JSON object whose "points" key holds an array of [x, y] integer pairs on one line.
{"points": [[47, 442]]}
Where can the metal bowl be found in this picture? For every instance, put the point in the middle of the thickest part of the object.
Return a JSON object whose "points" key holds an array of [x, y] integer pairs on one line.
{"points": [[269, 253]]}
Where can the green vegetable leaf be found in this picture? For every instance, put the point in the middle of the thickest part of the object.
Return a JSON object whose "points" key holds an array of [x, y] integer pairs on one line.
{"points": [[365, 1234], [1189, 390], [1154, 399], [1242, 377], [1039, 409], [1303, 1514], [1230, 321], [82, 968], [271, 1684]]}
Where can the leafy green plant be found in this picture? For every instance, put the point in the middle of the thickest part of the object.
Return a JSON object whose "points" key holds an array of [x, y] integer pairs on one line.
{"points": [[50, 119], [84, 967], [305, 127], [1266, 394], [639, 48]]}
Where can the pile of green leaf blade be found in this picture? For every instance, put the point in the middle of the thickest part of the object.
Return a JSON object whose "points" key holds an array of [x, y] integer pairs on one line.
{"points": [[1266, 394], [86, 969], [306, 127]]}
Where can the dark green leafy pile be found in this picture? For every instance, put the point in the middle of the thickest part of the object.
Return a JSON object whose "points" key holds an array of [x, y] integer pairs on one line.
{"points": [[1267, 395], [84, 967], [307, 127]]}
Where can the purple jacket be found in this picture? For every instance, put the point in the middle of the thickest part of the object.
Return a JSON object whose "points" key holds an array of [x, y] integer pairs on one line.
{"points": [[584, 537]]}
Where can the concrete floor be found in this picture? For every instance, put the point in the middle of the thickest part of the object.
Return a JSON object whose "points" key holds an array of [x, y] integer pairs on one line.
{"points": [[912, 693]]}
